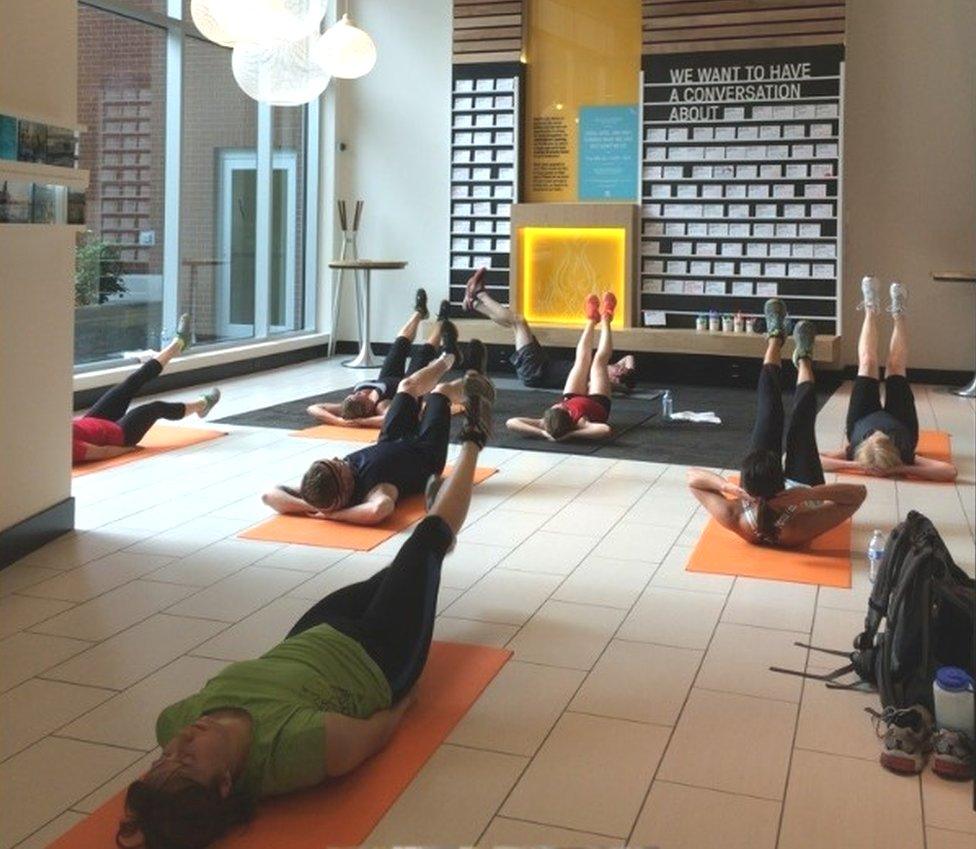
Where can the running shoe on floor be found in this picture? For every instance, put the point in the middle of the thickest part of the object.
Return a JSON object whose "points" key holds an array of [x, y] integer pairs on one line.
{"points": [[952, 755], [906, 740]]}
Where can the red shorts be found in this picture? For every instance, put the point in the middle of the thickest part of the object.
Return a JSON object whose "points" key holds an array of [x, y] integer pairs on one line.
{"points": [[594, 408], [94, 432]]}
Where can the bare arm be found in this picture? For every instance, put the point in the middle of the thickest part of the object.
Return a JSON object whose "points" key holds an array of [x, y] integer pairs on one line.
{"points": [[590, 430], [527, 427], [808, 524], [929, 470], [106, 452], [349, 741], [378, 504], [288, 501], [831, 462], [837, 493], [327, 414], [708, 487]]}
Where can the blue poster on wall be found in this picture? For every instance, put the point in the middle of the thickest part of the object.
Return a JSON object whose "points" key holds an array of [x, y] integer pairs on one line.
{"points": [[608, 151]]}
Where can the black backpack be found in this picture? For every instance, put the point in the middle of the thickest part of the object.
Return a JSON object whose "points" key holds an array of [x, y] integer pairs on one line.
{"points": [[926, 603]]}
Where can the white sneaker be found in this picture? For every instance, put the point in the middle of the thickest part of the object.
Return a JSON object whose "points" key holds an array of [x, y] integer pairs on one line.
{"points": [[871, 293], [898, 295]]}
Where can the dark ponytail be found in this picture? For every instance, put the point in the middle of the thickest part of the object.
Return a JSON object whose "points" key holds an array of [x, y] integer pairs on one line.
{"points": [[179, 814]]}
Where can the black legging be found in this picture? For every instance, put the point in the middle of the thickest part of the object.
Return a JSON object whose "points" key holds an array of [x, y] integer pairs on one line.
{"points": [[392, 614], [135, 423], [802, 457], [395, 361]]}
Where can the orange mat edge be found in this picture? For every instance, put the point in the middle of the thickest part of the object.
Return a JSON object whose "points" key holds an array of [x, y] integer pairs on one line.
{"points": [[161, 439], [351, 806]]}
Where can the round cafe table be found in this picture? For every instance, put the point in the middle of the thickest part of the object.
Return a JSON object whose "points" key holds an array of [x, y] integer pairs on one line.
{"points": [[365, 358], [969, 390]]}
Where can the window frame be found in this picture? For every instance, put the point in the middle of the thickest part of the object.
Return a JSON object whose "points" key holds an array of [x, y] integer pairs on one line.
{"points": [[177, 30]]}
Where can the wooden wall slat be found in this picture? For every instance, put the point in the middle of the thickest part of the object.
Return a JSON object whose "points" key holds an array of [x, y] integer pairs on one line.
{"points": [[671, 26], [488, 30]]}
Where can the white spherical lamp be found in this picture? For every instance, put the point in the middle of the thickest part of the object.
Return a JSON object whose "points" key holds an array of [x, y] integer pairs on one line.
{"points": [[345, 51], [230, 22], [282, 73]]}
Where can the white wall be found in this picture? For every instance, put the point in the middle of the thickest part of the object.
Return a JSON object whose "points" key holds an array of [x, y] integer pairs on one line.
{"points": [[395, 122], [910, 167]]}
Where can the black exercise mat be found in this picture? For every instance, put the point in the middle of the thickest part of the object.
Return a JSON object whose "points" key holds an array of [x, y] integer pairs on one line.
{"points": [[627, 414], [291, 415]]}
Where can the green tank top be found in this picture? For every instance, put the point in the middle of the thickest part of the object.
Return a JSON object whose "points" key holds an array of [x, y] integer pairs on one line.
{"points": [[287, 692]]}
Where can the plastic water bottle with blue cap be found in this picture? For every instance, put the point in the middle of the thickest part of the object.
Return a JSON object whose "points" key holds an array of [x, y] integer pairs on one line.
{"points": [[953, 692], [876, 549]]}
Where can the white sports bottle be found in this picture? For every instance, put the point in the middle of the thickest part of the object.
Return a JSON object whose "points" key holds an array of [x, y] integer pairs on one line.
{"points": [[875, 554], [953, 691]]}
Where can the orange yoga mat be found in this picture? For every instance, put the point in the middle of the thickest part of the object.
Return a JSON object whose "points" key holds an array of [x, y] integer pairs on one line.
{"points": [[346, 434], [933, 444], [329, 534], [161, 438], [343, 812], [825, 561], [351, 434]]}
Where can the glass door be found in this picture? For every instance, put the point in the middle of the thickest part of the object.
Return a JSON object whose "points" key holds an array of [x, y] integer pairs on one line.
{"points": [[239, 287]]}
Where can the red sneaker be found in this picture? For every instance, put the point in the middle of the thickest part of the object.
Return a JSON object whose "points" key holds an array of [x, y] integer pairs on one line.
{"points": [[591, 306], [609, 305], [474, 287]]}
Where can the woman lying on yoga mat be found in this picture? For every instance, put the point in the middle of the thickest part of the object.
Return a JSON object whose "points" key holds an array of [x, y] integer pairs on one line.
{"points": [[585, 408], [882, 441], [363, 487], [772, 506], [370, 399], [316, 705], [107, 430], [532, 363]]}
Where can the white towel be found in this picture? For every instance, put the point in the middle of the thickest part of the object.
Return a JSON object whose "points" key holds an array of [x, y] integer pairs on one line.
{"points": [[688, 416]]}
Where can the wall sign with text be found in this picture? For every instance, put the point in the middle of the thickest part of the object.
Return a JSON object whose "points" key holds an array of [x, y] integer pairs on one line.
{"points": [[741, 183], [608, 151]]}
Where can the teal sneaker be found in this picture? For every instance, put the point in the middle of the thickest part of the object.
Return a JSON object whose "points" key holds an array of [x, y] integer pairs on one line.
{"points": [[870, 294], [210, 397], [775, 311], [183, 330], [898, 296], [804, 335]]}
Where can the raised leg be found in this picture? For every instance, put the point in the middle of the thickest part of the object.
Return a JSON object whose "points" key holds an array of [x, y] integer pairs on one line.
{"points": [[599, 373], [898, 348], [867, 346], [802, 457], [578, 381], [767, 432], [113, 404], [426, 379], [505, 316]]}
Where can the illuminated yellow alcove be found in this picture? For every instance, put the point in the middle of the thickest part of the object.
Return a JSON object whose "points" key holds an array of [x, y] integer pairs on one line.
{"points": [[560, 266]]}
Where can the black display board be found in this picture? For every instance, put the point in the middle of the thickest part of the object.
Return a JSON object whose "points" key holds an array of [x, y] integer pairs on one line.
{"points": [[485, 137], [741, 183]]}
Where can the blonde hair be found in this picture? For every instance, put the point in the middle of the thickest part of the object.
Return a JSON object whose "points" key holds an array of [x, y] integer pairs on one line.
{"points": [[878, 452]]}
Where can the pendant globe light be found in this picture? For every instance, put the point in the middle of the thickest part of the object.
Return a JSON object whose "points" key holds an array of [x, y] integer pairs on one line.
{"points": [[230, 22], [345, 51], [281, 73]]}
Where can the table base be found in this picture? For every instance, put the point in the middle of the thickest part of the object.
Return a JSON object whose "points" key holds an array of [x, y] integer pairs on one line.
{"points": [[364, 359], [968, 391]]}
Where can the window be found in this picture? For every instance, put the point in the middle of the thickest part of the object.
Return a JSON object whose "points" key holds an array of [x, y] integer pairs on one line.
{"points": [[199, 197]]}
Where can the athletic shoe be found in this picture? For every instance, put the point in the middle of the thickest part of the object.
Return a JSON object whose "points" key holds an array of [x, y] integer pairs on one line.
{"points": [[449, 341], [444, 311], [804, 335], [210, 397], [477, 359], [899, 298], [183, 330], [420, 303], [430, 491], [775, 312], [142, 357], [479, 395], [591, 307], [609, 305], [907, 739], [952, 755], [870, 294], [473, 288]]}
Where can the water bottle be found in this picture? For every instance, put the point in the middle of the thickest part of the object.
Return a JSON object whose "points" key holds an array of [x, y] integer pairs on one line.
{"points": [[953, 691], [875, 554], [667, 404]]}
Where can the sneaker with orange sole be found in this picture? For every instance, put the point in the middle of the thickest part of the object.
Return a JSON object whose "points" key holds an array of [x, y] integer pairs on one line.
{"points": [[609, 305], [591, 306]]}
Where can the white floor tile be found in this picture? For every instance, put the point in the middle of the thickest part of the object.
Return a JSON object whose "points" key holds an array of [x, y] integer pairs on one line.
{"points": [[673, 618]]}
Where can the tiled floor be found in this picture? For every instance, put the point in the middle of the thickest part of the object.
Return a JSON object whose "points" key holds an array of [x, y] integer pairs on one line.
{"points": [[638, 708]]}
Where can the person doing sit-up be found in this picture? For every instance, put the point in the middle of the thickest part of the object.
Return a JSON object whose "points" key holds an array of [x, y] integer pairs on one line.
{"points": [[585, 408], [772, 504], [531, 361], [363, 487], [369, 399], [319, 703], [882, 441], [110, 428]]}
